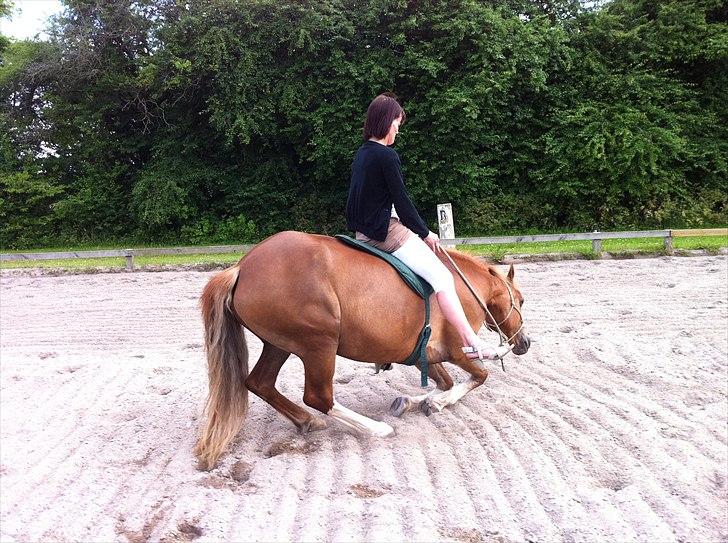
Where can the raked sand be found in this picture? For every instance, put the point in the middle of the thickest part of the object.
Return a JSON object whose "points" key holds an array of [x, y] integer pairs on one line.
{"points": [[613, 427]]}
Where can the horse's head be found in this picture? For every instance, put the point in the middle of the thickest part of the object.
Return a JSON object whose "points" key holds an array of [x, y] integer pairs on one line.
{"points": [[505, 306]]}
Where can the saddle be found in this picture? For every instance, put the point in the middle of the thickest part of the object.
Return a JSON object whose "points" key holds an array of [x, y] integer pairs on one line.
{"points": [[421, 287]]}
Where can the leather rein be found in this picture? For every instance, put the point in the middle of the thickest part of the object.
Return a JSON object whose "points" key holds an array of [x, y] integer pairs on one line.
{"points": [[504, 339]]}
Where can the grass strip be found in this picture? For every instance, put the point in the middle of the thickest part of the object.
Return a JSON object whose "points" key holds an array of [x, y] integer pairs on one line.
{"points": [[618, 245], [139, 261]]}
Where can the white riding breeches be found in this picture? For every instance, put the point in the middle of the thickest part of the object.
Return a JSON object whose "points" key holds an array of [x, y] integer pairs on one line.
{"points": [[422, 260]]}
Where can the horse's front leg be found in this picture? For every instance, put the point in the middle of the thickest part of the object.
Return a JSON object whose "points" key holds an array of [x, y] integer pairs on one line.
{"points": [[318, 365], [437, 402], [437, 373]]}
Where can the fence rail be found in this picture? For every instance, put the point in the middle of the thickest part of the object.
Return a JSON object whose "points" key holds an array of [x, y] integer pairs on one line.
{"points": [[128, 254], [595, 237]]}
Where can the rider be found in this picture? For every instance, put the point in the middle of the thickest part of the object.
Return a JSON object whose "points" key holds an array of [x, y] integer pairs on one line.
{"points": [[381, 213]]}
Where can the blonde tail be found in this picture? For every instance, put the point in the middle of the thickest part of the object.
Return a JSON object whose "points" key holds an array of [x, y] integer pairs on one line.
{"points": [[227, 364]]}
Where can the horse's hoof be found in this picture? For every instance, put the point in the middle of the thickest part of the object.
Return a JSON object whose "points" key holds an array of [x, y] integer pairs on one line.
{"points": [[399, 406], [383, 429], [316, 423], [428, 407]]}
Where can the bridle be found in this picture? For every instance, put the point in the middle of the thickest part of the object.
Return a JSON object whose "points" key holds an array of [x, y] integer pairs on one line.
{"points": [[495, 326]]}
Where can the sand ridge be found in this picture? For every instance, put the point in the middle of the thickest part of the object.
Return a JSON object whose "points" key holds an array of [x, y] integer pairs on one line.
{"points": [[612, 428]]}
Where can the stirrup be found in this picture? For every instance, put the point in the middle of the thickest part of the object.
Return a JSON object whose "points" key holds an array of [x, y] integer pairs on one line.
{"points": [[487, 353]]}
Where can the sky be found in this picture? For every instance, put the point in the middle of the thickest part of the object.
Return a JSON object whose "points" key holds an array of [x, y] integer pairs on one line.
{"points": [[29, 18]]}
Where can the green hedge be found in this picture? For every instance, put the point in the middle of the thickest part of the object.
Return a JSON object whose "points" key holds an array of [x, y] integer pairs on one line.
{"points": [[226, 121]]}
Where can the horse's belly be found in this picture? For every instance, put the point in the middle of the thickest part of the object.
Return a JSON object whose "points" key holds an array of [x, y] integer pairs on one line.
{"points": [[381, 325]]}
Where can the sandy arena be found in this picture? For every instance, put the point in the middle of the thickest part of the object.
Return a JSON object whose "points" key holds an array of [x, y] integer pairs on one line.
{"points": [[612, 428]]}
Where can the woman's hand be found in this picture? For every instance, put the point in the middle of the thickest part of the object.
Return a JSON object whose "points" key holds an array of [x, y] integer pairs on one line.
{"points": [[433, 242]]}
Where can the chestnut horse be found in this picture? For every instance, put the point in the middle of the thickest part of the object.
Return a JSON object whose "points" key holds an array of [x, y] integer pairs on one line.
{"points": [[317, 298]]}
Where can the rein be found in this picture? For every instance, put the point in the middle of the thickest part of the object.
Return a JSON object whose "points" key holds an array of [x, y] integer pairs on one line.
{"points": [[496, 325]]}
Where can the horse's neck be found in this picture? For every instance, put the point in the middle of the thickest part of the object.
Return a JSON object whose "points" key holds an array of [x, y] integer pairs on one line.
{"points": [[477, 274]]}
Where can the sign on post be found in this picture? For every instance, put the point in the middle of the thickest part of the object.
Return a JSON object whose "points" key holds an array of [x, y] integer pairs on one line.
{"points": [[445, 221]]}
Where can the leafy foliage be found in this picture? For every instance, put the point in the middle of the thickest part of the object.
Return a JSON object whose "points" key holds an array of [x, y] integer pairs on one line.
{"points": [[229, 120]]}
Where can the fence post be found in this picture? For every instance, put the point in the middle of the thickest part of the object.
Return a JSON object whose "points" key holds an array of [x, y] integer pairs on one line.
{"points": [[597, 246], [129, 260], [668, 242], [445, 221]]}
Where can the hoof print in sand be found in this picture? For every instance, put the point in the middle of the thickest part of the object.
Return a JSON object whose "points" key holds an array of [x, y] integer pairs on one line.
{"points": [[186, 531], [217, 482], [291, 446], [469, 536], [364, 491], [240, 471]]}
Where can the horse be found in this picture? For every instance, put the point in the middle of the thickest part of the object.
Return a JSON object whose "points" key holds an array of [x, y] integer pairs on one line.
{"points": [[317, 298]]}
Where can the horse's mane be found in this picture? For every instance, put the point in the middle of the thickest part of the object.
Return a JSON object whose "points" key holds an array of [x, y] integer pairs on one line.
{"points": [[485, 264]]}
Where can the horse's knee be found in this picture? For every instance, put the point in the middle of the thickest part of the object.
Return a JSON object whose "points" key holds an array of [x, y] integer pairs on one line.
{"points": [[480, 377], [320, 400]]}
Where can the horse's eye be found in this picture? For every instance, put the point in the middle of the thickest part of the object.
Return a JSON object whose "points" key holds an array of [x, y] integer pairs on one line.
{"points": [[522, 301]]}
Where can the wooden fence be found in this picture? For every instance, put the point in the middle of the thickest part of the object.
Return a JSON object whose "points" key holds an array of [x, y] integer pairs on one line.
{"points": [[595, 237], [129, 254]]}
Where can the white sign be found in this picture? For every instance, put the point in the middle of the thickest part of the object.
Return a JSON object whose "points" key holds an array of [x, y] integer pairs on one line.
{"points": [[445, 221]]}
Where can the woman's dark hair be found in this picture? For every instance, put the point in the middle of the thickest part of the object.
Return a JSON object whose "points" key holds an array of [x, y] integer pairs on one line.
{"points": [[380, 114]]}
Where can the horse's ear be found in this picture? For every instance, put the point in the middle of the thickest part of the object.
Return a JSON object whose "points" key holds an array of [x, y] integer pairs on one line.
{"points": [[511, 273]]}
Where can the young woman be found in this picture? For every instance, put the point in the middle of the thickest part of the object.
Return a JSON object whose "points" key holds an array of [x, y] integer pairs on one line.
{"points": [[381, 213]]}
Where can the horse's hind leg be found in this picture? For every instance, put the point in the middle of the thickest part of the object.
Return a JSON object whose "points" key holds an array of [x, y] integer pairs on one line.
{"points": [[319, 394], [262, 380]]}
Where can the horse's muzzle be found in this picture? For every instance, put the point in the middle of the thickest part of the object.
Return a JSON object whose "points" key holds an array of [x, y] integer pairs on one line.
{"points": [[522, 344]]}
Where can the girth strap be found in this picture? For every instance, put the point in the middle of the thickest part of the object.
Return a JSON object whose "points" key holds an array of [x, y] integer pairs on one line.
{"points": [[420, 352]]}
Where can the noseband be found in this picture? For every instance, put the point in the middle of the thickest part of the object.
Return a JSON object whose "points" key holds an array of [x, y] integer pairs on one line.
{"points": [[495, 326]]}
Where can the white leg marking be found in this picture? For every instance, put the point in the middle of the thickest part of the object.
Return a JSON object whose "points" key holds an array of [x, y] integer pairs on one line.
{"points": [[359, 422], [418, 399], [440, 401], [460, 390]]}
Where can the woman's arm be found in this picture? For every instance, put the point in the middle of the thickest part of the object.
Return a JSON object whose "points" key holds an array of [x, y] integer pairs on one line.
{"points": [[402, 203]]}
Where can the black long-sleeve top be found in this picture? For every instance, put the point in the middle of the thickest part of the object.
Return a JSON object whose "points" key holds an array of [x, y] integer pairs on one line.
{"points": [[376, 184]]}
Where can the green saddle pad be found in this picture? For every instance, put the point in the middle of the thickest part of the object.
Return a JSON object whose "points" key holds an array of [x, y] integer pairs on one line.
{"points": [[421, 287]]}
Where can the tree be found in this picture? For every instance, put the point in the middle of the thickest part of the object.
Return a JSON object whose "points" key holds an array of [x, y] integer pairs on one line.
{"points": [[636, 141], [228, 120]]}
